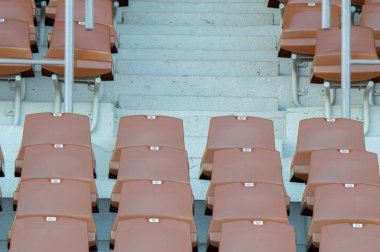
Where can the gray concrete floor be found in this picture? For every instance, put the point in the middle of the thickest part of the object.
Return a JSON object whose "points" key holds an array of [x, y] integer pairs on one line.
{"points": [[104, 220]]}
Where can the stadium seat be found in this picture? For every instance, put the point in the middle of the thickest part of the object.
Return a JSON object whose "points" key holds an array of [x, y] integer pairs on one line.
{"points": [[257, 236], [54, 128], [244, 165], [370, 18], [152, 164], [91, 59], [71, 162], [58, 234], [327, 59], [56, 198], [321, 133], [15, 44], [21, 11], [227, 132], [301, 21], [145, 130], [157, 200], [339, 166], [1, 163], [344, 203], [103, 14], [147, 235], [350, 238], [246, 201]]}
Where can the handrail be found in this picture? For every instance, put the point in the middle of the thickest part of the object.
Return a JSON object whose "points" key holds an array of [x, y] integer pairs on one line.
{"points": [[346, 59], [89, 15], [69, 55], [326, 14], [31, 62]]}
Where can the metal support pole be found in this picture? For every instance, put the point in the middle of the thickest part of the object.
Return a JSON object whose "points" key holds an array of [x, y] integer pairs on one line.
{"points": [[328, 102], [98, 92], [89, 15], [69, 55], [17, 104], [366, 106], [31, 62], [326, 14], [58, 94], [346, 59], [295, 80]]}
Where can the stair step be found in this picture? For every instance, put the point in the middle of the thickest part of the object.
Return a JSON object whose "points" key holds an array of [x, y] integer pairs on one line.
{"points": [[187, 103], [190, 42], [136, 29], [201, 68], [205, 19], [183, 7]]}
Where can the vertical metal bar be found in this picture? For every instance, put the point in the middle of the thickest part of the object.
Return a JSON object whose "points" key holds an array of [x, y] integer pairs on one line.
{"points": [[326, 14], [69, 55], [89, 15], [346, 59]]}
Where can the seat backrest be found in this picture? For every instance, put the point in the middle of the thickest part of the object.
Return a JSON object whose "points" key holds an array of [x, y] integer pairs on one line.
{"points": [[260, 236], [17, 10], [150, 131], [49, 234], [350, 238], [144, 235], [56, 198], [345, 203]]}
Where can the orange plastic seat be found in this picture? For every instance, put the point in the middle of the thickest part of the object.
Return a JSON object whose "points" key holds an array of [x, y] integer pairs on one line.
{"points": [[38, 234], [103, 14], [54, 128], [321, 133], [327, 59], [91, 59], [145, 235], [46, 161], [350, 238], [145, 130], [370, 18], [244, 165], [339, 167], [15, 44], [257, 236], [334, 204], [246, 201], [276, 3], [1, 163], [152, 164], [156, 201], [22, 11], [301, 21], [227, 132], [54, 199]]}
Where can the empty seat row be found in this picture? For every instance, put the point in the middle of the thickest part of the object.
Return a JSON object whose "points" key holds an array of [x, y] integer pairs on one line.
{"points": [[56, 189], [152, 194], [246, 196]]}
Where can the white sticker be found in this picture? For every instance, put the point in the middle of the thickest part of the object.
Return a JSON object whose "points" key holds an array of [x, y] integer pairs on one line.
{"points": [[157, 182], [330, 119], [154, 148], [349, 185], [81, 23], [55, 181], [357, 225], [57, 114], [51, 219], [154, 220], [2, 20], [151, 117], [58, 146], [344, 151], [311, 4], [247, 150], [258, 223], [242, 118], [249, 184]]}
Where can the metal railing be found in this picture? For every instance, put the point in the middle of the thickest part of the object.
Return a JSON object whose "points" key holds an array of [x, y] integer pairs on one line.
{"points": [[346, 60], [68, 61]]}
